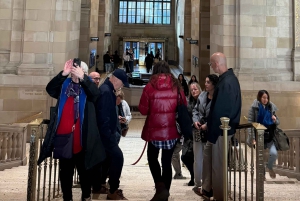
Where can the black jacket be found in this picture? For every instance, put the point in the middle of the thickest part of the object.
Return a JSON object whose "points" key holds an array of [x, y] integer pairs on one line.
{"points": [[106, 114], [91, 141], [226, 102]]}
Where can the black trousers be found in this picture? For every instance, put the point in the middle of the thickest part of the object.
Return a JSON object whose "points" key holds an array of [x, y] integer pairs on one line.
{"points": [[160, 175], [116, 160], [189, 163], [66, 172], [99, 175]]}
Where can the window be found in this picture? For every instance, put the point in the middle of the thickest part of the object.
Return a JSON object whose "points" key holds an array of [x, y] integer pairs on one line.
{"points": [[145, 11]]}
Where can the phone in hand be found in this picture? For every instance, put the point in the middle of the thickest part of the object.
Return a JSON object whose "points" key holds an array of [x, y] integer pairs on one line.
{"points": [[76, 61]]}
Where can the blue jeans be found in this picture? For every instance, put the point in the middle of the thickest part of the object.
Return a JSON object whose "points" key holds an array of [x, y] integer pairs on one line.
{"points": [[272, 156]]}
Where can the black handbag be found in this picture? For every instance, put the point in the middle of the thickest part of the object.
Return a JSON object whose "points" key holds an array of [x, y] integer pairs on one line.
{"points": [[63, 146], [183, 118], [281, 140]]}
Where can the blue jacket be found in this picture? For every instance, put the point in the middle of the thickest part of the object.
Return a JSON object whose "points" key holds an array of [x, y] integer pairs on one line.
{"points": [[106, 114]]}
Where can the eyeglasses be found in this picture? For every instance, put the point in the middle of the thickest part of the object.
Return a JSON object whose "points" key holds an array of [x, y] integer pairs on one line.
{"points": [[209, 64], [96, 78]]}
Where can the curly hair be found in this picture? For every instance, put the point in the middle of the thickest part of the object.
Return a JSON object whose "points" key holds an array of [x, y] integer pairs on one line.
{"points": [[162, 67], [213, 78]]}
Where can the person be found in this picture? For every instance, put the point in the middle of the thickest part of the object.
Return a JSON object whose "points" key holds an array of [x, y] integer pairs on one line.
{"points": [[131, 60], [226, 102], [200, 114], [149, 62], [97, 64], [107, 123], [263, 111], [95, 76], [158, 55], [187, 156], [116, 60], [75, 114], [183, 83], [193, 79], [176, 159], [126, 58], [159, 102], [124, 112], [106, 61]]}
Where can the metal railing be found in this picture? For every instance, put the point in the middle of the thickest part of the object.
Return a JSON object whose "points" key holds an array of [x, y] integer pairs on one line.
{"points": [[236, 164], [43, 179]]}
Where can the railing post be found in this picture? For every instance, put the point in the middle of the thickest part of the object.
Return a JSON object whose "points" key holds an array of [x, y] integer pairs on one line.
{"points": [[260, 166], [225, 127], [32, 169]]}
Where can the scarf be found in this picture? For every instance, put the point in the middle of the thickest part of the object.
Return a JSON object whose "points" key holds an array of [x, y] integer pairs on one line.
{"points": [[264, 116], [73, 90]]}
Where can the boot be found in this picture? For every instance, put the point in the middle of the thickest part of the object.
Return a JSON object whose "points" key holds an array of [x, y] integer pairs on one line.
{"points": [[161, 193]]}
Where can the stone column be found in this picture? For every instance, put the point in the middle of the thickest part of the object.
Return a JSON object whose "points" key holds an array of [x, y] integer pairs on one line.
{"points": [[296, 40], [195, 35], [51, 35]]}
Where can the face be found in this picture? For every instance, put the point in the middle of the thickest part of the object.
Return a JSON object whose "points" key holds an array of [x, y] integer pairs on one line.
{"points": [[180, 77], [264, 99], [193, 78], [194, 91], [118, 100], [118, 84], [214, 66], [208, 85], [96, 79]]}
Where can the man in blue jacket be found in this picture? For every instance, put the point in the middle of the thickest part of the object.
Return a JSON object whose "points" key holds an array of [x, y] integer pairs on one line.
{"points": [[226, 102], [107, 120]]}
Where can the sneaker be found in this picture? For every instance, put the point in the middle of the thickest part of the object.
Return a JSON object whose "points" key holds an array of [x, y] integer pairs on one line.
{"points": [[179, 176], [117, 195], [272, 173]]}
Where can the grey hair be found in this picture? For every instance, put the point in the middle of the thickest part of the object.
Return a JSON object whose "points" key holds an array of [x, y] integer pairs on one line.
{"points": [[84, 67]]}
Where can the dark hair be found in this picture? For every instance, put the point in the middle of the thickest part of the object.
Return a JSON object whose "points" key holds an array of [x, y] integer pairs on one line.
{"points": [[191, 81], [181, 75], [213, 78], [163, 67], [261, 93]]}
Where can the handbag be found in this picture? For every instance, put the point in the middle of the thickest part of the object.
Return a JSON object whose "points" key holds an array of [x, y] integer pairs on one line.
{"points": [[281, 140], [183, 118], [187, 149], [63, 146], [124, 131]]}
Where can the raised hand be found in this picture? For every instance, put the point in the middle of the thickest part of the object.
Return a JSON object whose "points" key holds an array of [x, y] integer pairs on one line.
{"points": [[78, 72], [67, 68]]}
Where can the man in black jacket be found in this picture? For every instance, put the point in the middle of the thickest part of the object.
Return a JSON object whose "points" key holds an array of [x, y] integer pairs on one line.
{"points": [[107, 120], [226, 102]]}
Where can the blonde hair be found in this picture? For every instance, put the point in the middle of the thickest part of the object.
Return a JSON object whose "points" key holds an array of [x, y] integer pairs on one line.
{"points": [[120, 94], [198, 87], [84, 67]]}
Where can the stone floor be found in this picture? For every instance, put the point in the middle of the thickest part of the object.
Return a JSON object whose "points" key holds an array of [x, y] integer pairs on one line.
{"points": [[136, 180]]}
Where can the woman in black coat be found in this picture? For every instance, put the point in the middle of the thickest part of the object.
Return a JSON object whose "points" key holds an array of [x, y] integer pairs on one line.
{"points": [[78, 93], [183, 84]]}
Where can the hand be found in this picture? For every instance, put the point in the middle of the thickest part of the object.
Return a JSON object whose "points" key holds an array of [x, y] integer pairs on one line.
{"points": [[274, 118], [253, 142], [78, 72], [204, 127], [197, 125], [68, 67]]}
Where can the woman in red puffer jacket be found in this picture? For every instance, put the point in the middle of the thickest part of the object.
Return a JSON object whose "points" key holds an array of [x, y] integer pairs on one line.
{"points": [[159, 103]]}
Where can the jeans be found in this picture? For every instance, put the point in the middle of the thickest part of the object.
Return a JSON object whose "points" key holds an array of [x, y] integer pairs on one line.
{"points": [[131, 66], [107, 67], [272, 156], [66, 172], [160, 175]]}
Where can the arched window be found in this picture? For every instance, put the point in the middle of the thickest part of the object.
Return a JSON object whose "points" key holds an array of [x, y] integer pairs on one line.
{"points": [[145, 11]]}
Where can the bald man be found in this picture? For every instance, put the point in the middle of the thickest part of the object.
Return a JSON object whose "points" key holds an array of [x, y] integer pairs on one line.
{"points": [[226, 102], [95, 77]]}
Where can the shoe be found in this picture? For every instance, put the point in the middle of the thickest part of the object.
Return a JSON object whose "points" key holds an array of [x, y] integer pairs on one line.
{"points": [[117, 195], [191, 183], [179, 176], [103, 190], [87, 199], [272, 173], [201, 192], [161, 192]]}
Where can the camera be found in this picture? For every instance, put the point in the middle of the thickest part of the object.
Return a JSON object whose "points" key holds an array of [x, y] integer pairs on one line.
{"points": [[76, 61]]}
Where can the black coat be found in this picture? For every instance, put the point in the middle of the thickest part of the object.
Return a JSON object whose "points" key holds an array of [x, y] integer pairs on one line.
{"points": [[91, 141], [226, 102]]}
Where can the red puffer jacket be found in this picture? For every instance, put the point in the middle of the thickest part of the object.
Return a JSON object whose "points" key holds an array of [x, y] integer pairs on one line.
{"points": [[159, 102]]}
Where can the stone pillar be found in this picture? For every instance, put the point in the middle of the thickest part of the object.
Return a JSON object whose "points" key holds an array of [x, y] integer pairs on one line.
{"points": [[187, 34], [51, 35], [296, 40], [195, 35]]}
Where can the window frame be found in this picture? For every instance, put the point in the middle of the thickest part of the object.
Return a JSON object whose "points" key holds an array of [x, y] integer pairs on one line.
{"points": [[151, 19]]}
